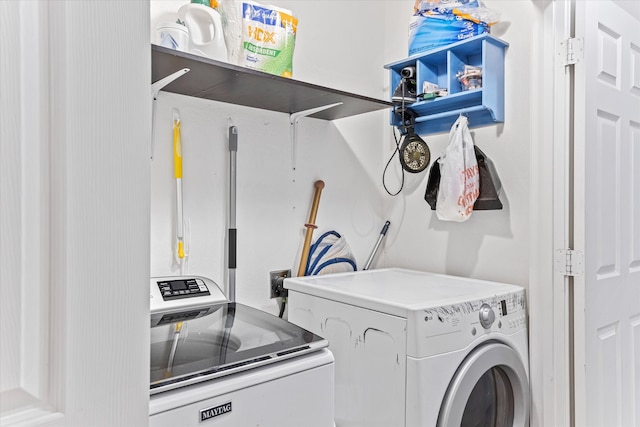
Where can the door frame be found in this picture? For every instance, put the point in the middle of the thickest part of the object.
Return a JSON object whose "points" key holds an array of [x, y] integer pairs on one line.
{"points": [[550, 219]]}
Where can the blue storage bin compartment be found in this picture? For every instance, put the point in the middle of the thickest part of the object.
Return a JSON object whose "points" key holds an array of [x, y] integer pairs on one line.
{"points": [[483, 105]]}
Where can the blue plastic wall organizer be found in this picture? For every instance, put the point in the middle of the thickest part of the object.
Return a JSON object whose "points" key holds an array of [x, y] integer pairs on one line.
{"points": [[483, 105]]}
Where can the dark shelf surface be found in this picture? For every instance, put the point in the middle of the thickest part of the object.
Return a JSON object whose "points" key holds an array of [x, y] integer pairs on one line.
{"points": [[220, 81]]}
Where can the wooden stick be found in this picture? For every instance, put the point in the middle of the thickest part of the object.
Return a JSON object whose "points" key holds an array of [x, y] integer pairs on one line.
{"points": [[319, 185]]}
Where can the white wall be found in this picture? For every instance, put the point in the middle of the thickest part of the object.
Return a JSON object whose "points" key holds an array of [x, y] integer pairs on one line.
{"points": [[273, 200], [344, 45], [491, 245]]}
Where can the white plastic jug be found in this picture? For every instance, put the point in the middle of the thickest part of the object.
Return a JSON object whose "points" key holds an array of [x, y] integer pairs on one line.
{"points": [[205, 30], [172, 35]]}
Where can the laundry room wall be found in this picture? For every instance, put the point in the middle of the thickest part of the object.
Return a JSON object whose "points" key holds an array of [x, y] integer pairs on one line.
{"points": [[491, 245], [342, 45], [334, 48]]}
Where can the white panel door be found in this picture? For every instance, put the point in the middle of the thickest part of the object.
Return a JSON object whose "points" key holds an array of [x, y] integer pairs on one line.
{"points": [[607, 216]]}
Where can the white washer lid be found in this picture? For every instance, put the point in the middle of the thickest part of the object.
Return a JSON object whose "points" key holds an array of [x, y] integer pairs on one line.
{"points": [[397, 291]]}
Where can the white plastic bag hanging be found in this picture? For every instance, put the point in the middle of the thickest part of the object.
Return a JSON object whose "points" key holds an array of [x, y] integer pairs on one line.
{"points": [[459, 175]]}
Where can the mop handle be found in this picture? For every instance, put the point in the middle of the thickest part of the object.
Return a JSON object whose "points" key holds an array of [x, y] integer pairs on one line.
{"points": [[385, 228], [319, 185], [177, 169], [233, 232]]}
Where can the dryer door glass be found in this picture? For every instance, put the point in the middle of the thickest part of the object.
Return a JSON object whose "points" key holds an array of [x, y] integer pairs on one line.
{"points": [[490, 402], [489, 389]]}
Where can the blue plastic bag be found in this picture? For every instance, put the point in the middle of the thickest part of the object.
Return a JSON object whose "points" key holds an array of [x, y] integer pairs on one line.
{"points": [[428, 31]]}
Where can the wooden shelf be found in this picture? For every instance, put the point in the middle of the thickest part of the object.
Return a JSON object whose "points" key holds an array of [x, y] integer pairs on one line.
{"points": [[220, 81]]}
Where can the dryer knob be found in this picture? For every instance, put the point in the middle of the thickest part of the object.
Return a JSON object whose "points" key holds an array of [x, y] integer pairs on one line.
{"points": [[487, 316]]}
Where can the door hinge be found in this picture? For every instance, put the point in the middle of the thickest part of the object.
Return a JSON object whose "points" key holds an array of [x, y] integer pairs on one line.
{"points": [[572, 51], [568, 262]]}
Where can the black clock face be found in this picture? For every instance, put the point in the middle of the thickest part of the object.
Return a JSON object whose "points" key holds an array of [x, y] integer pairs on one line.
{"points": [[414, 154]]}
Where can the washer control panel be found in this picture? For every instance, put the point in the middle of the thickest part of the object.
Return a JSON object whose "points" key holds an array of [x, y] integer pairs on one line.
{"points": [[182, 288], [176, 293]]}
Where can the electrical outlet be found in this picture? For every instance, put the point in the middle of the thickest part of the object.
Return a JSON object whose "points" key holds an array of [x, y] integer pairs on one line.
{"points": [[276, 282]]}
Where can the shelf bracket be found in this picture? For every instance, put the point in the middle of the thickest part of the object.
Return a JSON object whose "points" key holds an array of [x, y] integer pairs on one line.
{"points": [[293, 121], [155, 88]]}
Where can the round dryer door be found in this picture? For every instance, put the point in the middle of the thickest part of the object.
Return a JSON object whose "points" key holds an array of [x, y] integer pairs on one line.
{"points": [[490, 389]]}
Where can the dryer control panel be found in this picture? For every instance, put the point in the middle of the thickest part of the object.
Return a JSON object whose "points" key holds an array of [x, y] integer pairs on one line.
{"points": [[455, 326]]}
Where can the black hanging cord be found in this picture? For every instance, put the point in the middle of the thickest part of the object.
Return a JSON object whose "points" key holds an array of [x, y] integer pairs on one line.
{"points": [[397, 150], [384, 173]]}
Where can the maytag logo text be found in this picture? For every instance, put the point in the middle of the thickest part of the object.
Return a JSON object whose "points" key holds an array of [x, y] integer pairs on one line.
{"points": [[214, 411]]}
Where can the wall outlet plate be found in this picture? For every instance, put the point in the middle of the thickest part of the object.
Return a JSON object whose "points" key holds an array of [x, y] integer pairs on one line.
{"points": [[276, 283]]}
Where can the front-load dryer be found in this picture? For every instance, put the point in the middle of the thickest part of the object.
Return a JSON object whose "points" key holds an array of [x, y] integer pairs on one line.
{"points": [[419, 349]]}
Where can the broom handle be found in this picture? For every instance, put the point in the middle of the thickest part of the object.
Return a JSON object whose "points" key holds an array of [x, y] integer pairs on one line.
{"points": [[383, 233], [319, 185]]}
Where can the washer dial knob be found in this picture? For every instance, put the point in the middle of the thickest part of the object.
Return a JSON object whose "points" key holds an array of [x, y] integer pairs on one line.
{"points": [[487, 316]]}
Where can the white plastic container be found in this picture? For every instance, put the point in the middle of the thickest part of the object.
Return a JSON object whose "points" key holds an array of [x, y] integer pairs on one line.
{"points": [[205, 30], [172, 35]]}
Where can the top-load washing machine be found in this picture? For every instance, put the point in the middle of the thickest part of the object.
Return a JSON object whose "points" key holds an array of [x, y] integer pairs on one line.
{"points": [[419, 349], [221, 363]]}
